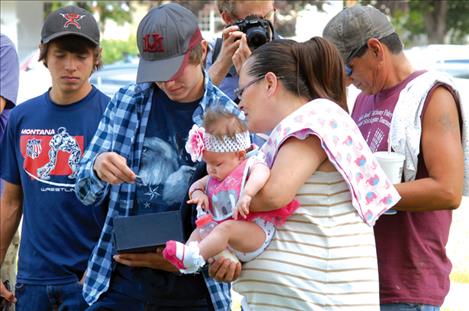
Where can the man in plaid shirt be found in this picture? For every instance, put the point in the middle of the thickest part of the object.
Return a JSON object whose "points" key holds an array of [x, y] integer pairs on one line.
{"points": [[138, 163]]}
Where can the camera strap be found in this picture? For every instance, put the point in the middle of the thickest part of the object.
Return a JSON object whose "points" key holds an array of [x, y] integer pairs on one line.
{"points": [[216, 49], [216, 52]]}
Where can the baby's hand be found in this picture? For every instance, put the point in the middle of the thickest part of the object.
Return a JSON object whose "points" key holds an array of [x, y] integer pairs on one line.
{"points": [[199, 198], [242, 207]]}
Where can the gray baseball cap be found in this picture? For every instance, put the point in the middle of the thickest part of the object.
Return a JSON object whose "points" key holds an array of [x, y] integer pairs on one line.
{"points": [[70, 20], [9, 72], [165, 37], [353, 27]]}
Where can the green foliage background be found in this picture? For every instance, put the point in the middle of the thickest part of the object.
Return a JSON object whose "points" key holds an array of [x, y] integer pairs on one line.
{"points": [[415, 20], [115, 50], [119, 11]]}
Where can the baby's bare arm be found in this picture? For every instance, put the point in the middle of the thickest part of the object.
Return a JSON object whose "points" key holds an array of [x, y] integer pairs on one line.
{"points": [[257, 179]]}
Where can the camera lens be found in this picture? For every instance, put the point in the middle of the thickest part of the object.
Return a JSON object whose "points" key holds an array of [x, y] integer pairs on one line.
{"points": [[256, 36]]}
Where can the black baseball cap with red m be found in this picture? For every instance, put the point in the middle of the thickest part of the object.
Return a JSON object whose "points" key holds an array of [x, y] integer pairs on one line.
{"points": [[165, 37], [70, 20]]}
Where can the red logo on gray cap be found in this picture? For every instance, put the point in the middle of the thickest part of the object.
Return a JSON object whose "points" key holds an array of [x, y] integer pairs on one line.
{"points": [[155, 46], [72, 19]]}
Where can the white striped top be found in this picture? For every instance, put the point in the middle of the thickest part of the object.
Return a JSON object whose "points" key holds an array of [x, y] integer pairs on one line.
{"points": [[323, 258]]}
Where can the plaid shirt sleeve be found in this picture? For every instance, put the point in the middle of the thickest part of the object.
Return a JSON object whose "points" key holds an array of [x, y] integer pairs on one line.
{"points": [[220, 292], [111, 135], [88, 187], [215, 98]]}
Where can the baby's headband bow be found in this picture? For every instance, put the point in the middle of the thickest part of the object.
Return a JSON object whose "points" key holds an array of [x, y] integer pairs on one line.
{"points": [[199, 140]]}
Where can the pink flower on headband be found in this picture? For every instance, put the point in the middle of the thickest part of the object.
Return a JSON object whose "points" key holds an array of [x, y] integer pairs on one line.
{"points": [[195, 143]]}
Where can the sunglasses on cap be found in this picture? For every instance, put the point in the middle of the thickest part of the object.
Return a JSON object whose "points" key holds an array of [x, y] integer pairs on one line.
{"points": [[353, 54]]}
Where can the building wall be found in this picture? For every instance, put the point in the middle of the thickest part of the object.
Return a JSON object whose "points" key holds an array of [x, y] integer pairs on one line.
{"points": [[8, 20], [21, 21]]}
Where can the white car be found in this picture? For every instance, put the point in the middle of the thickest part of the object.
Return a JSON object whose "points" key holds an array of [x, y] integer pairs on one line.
{"points": [[111, 78], [449, 58], [34, 78]]}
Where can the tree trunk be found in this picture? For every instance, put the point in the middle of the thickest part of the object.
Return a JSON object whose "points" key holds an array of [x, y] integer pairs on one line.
{"points": [[435, 21]]}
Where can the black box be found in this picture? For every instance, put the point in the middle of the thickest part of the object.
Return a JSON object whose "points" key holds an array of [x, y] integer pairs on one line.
{"points": [[143, 233]]}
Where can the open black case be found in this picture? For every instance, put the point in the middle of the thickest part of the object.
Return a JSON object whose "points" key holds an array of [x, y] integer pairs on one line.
{"points": [[143, 233]]}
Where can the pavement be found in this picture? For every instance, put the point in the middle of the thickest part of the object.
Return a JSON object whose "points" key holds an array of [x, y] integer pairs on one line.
{"points": [[458, 252], [457, 298]]}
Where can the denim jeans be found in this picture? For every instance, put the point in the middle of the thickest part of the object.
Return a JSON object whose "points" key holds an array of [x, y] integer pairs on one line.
{"points": [[49, 297], [115, 301], [408, 307]]}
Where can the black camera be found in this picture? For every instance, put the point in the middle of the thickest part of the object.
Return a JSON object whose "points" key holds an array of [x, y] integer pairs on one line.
{"points": [[257, 29]]}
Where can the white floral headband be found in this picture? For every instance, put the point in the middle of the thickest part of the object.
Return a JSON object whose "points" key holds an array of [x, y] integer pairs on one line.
{"points": [[199, 140]]}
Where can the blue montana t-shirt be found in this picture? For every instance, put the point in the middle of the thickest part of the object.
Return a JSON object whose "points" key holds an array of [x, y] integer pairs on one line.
{"points": [[3, 124], [41, 150], [3, 121]]}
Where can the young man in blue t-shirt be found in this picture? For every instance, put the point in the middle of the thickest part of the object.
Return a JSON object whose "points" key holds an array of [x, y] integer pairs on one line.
{"points": [[143, 132], [41, 149], [9, 79]]}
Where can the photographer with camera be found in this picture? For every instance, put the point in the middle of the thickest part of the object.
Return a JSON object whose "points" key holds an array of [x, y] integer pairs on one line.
{"points": [[249, 24]]}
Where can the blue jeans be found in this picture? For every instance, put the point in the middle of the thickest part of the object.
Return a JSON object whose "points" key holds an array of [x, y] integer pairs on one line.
{"points": [[49, 297], [408, 307], [115, 301]]}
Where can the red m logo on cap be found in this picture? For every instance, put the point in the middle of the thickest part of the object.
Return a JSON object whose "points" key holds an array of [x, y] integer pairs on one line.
{"points": [[72, 19], [155, 45]]}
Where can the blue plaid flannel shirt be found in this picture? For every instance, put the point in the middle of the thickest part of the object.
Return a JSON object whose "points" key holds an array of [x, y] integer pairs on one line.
{"points": [[122, 130]]}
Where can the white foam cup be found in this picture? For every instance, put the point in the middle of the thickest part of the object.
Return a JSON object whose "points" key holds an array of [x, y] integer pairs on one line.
{"points": [[392, 164]]}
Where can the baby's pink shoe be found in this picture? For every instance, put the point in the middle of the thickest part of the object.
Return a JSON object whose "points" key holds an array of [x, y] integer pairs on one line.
{"points": [[184, 257]]}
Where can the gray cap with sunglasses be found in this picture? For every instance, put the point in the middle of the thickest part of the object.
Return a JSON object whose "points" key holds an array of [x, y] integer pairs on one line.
{"points": [[353, 27]]}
